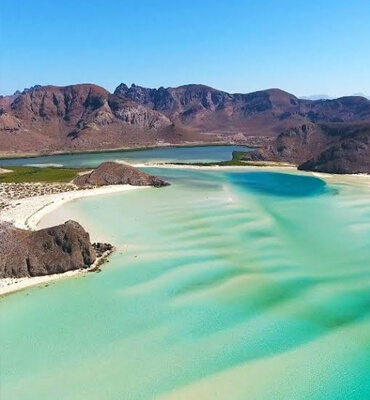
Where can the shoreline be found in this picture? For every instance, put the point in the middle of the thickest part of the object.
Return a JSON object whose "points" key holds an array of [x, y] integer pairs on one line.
{"points": [[13, 285], [275, 166], [212, 167], [28, 212]]}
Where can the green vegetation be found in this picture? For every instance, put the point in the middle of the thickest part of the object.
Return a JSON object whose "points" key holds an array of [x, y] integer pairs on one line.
{"points": [[237, 161], [36, 174]]}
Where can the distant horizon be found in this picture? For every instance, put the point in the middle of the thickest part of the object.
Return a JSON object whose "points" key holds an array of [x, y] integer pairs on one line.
{"points": [[239, 46]]}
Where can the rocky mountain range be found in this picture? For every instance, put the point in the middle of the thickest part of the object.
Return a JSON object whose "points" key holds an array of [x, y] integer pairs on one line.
{"points": [[46, 119]]}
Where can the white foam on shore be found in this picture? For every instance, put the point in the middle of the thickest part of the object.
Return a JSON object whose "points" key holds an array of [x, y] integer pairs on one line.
{"points": [[27, 213]]}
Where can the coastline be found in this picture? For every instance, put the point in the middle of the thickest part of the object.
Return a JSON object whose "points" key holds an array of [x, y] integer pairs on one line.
{"points": [[13, 285], [214, 167], [27, 213], [275, 166]]}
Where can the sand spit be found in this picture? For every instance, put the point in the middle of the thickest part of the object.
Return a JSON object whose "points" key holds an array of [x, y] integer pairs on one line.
{"points": [[26, 212]]}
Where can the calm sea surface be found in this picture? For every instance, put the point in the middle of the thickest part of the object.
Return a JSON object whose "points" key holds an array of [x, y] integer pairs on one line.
{"points": [[165, 154], [246, 284]]}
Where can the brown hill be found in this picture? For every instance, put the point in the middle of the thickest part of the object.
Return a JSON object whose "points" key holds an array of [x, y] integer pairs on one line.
{"points": [[48, 251], [113, 173]]}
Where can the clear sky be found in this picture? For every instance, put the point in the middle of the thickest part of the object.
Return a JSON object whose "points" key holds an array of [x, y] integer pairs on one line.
{"points": [[302, 46]]}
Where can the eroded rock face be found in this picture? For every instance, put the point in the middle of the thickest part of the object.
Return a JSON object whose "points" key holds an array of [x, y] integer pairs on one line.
{"points": [[44, 119], [294, 145], [113, 173], [48, 251], [266, 111], [332, 148], [348, 156]]}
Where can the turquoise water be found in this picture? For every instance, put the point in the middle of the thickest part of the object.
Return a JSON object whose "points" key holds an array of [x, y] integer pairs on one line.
{"points": [[165, 154], [227, 285]]}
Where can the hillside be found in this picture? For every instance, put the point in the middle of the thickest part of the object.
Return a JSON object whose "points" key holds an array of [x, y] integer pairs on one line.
{"points": [[334, 148], [46, 119]]}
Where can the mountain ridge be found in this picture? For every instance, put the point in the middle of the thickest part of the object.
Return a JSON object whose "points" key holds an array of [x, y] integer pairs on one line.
{"points": [[88, 117]]}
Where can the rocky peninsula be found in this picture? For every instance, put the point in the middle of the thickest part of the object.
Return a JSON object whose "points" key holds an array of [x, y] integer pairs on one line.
{"points": [[29, 256]]}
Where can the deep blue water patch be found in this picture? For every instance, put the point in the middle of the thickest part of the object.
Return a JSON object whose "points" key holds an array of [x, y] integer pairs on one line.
{"points": [[279, 184]]}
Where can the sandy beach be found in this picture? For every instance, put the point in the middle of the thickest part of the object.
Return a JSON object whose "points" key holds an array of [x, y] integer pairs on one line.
{"points": [[26, 213], [212, 167]]}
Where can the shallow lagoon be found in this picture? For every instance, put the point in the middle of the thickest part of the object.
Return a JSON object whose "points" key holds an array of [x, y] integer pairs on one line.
{"points": [[233, 284], [160, 154]]}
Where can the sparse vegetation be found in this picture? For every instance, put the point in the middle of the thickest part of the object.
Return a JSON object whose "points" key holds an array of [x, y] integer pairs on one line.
{"points": [[37, 174]]}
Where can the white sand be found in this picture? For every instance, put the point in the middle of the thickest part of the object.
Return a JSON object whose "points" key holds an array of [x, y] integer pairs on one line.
{"points": [[214, 167], [27, 213], [11, 285]]}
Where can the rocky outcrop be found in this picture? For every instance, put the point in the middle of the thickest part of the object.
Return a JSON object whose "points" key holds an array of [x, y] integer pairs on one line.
{"points": [[102, 248], [44, 119], [333, 148], [350, 155], [114, 173], [294, 145], [48, 251]]}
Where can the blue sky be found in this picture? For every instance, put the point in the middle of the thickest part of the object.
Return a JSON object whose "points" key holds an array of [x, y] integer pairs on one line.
{"points": [[304, 47]]}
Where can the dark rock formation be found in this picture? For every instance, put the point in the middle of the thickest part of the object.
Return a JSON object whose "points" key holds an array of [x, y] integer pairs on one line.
{"points": [[113, 173], [86, 116], [102, 248], [334, 148], [48, 251], [349, 155]]}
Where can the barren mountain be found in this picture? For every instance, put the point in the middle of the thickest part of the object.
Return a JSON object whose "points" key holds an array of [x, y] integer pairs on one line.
{"points": [[81, 117], [334, 148], [44, 119], [264, 112]]}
